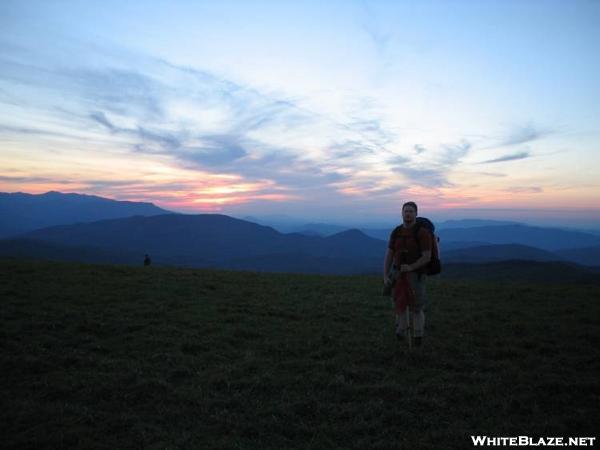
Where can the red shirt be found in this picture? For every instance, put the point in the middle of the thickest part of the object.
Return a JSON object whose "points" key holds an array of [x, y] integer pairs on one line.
{"points": [[403, 243]]}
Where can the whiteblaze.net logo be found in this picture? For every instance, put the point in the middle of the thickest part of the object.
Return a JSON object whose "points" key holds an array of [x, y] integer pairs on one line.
{"points": [[514, 441]]}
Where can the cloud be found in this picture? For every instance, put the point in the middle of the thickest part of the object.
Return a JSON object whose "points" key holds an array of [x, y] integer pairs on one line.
{"points": [[289, 169], [234, 151], [202, 122], [349, 149], [419, 149], [493, 174], [520, 135], [247, 111], [101, 185], [431, 178], [434, 173], [122, 91], [31, 131], [399, 160], [100, 117], [453, 153], [33, 180], [145, 140], [168, 141], [511, 157], [215, 151], [374, 30], [523, 134], [525, 190]]}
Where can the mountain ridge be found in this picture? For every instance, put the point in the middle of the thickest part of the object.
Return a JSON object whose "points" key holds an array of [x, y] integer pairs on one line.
{"points": [[545, 238], [22, 212], [211, 239], [202, 240], [499, 252], [220, 241]]}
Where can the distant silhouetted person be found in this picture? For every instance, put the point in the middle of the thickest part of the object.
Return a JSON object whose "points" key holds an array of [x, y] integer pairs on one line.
{"points": [[147, 260]]}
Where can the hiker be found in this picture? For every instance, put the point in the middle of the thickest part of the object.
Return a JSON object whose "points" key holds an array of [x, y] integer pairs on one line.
{"points": [[409, 252], [147, 260]]}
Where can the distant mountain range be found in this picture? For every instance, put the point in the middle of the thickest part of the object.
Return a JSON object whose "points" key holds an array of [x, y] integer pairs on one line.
{"points": [[20, 213], [288, 225], [384, 233], [550, 272], [220, 241], [545, 238], [589, 256], [492, 253], [212, 240], [472, 223]]}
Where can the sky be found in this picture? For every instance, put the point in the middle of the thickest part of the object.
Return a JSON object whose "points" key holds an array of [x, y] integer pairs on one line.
{"points": [[330, 111]]}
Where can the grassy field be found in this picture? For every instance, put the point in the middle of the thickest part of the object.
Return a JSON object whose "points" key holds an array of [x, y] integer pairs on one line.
{"points": [[121, 357]]}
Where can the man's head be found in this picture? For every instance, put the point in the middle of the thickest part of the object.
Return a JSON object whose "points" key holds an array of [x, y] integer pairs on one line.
{"points": [[409, 213]]}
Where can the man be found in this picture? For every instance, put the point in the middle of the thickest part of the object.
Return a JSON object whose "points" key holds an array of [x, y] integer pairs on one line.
{"points": [[409, 253]]}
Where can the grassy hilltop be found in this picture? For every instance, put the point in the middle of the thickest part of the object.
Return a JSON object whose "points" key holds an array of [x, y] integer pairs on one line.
{"points": [[119, 357]]}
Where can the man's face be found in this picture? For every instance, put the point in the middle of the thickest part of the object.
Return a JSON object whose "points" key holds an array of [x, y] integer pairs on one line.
{"points": [[409, 215]]}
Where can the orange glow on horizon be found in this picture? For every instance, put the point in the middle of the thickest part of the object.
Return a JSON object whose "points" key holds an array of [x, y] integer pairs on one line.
{"points": [[181, 189], [167, 187]]}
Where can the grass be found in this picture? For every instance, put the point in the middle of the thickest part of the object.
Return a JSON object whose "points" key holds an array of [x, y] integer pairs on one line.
{"points": [[119, 357]]}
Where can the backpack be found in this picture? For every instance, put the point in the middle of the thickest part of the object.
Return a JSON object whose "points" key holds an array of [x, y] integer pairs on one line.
{"points": [[434, 266]]}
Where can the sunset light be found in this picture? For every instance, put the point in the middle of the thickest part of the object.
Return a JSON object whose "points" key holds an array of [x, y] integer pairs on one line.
{"points": [[331, 112]]}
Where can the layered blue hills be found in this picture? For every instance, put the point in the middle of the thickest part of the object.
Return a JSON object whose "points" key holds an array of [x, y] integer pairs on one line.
{"points": [[213, 240], [220, 241], [20, 212], [544, 238]]}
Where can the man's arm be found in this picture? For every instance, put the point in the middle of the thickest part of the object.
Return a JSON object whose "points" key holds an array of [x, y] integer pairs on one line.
{"points": [[422, 261], [426, 246], [387, 264]]}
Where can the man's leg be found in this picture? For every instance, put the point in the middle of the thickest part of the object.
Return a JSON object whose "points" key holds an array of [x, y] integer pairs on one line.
{"points": [[418, 320], [417, 311], [401, 324]]}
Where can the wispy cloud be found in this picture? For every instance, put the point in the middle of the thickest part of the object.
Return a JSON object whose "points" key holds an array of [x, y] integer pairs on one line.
{"points": [[434, 177], [372, 27], [32, 131], [199, 121], [525, 190], [493, 174], [213, 151], [419, 149], [350, 148], [434, 173], [452, 154], [518, 135], [120, 91], [511, 157], [524, 134], [399, 160], [371, 130], [100, 117], [34, 180], [193, 120]]}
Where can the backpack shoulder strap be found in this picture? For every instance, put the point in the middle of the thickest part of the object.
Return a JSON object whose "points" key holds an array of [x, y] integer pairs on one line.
{"points": [[396, 231], [417, 228]]}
